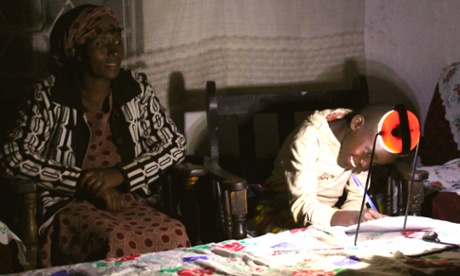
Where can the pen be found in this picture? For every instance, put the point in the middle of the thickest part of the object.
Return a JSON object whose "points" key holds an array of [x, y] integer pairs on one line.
{"points": [[368, 198]]}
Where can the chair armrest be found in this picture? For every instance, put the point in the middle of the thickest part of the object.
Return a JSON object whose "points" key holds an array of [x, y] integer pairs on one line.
{"points": [[400, 182], [404, 171], [180, 196], [230, 181], [186, 169], [232, 193], [189, 173], [23, 186]]}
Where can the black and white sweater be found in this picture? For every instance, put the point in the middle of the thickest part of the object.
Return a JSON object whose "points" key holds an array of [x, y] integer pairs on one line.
{"points": [[51, 136]]}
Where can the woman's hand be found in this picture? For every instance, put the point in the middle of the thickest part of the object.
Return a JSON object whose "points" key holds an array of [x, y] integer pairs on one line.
{"points": [[97, 181], [113, 200], [347, 218]]}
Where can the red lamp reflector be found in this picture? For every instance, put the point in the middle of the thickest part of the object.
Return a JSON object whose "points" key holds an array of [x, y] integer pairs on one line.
{"points": [[390, 131]]}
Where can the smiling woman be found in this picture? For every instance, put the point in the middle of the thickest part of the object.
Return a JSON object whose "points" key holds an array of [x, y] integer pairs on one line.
{"points": [[88, 139]]}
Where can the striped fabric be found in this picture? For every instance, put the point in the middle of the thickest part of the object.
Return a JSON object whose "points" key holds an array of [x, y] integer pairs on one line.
{"points": [[50, 138]]}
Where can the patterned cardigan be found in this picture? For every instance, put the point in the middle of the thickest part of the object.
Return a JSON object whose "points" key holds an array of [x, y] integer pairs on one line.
{"points": [[50, 138]]}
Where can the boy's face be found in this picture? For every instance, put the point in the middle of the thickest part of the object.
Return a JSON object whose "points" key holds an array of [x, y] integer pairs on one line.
{"points": [[355, 152]]}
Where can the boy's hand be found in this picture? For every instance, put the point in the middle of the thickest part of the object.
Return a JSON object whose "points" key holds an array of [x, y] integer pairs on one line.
{"points": [[371, 214], [113, 199], [347, 218]]}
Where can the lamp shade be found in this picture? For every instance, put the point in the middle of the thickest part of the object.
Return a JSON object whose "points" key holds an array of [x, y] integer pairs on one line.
{"points": [[392, 137]]}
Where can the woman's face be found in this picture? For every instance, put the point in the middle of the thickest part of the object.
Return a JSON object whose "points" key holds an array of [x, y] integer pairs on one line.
{"points": [[102, 55]]}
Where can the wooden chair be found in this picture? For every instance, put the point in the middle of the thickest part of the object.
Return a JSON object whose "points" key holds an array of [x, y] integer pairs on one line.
{"points": [[174, 196], [246, 128], [401, 186]]}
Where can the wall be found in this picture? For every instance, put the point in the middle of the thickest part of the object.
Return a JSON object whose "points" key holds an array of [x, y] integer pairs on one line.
{"points": [[403, 44], [242, 43], [407, 44], [239, 42]]}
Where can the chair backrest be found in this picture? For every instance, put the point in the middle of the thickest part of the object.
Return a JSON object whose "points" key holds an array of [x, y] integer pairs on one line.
{"points": [[247, 125]]}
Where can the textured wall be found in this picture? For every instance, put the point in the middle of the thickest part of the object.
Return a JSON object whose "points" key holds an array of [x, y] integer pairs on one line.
{"points": [[249, 42], [408, 43]]}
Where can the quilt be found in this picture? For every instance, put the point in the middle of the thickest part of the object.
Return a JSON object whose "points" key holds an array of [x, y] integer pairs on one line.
{"points": [[424, 246]]}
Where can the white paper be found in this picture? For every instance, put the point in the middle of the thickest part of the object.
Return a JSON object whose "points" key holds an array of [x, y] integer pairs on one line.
{"points": [[388, 224]]}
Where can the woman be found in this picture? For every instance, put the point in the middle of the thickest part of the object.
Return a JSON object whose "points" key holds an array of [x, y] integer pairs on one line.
{"points": [[95, 138]]}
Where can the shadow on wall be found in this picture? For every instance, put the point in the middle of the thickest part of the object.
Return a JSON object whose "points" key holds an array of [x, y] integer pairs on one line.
{"points": [[388, 87], [187, 110], [187, 106]]}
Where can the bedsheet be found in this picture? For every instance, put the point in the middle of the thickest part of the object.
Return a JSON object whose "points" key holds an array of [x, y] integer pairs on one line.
{"points": [[7, 236], [381, 249], [448, 89], [443, 178]]}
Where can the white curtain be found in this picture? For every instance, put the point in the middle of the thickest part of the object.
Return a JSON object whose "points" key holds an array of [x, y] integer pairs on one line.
{"points": [[234, 42], [246, 42]]}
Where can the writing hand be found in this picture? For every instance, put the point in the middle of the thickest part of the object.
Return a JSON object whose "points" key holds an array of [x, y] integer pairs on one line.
{"points": [[371, 214], [347, 218]]}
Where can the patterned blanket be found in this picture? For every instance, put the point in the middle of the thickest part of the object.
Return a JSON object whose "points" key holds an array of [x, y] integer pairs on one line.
{"points": [[381, 250], [449, 89], [443, 178]]}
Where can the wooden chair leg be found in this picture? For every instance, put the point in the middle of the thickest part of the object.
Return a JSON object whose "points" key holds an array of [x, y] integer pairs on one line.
{"points": [[29, 229], [239, 211], [189, 210], [400, 183], [24, 222]]}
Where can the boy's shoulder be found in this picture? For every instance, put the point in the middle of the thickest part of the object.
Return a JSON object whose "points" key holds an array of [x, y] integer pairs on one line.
{"points": [[333, 114]]}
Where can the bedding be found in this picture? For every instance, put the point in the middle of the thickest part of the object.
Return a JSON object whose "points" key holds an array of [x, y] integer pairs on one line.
{"points": [[7, 236], [443, 178], [381, 249], [442, 191], [440, 148]]}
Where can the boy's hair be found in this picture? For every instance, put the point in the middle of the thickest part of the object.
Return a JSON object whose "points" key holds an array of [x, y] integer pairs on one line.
{"points": [[372, 114]]}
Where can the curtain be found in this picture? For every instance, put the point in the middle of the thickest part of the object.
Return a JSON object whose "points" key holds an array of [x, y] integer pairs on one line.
{"points": [[247, 42], [234, 42]]}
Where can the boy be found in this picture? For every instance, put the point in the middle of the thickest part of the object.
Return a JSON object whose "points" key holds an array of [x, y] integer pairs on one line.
{"points": [[314, 168]]}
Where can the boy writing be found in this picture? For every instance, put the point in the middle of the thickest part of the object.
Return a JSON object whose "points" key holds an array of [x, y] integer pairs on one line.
{"points": [[314, 168]]}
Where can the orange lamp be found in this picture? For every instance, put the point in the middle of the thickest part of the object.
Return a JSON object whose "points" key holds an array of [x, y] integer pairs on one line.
{"points": [[399, 130]]}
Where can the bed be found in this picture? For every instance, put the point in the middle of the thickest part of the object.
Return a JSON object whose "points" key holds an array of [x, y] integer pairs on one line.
{"points": [[381, 249], [440, 148]]}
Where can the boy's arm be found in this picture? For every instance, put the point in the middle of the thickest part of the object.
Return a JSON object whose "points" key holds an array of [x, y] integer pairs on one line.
{"points": [[354, 193], [302, 178], [349, 213]]}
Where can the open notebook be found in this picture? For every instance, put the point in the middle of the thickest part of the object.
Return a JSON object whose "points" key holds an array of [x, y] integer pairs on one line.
{"points": [[388, 232]]}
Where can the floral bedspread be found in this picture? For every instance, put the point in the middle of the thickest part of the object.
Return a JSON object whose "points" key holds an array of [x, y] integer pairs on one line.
{"points": [[7, 236], [445, 177], [382, 250], [449, 90]]}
